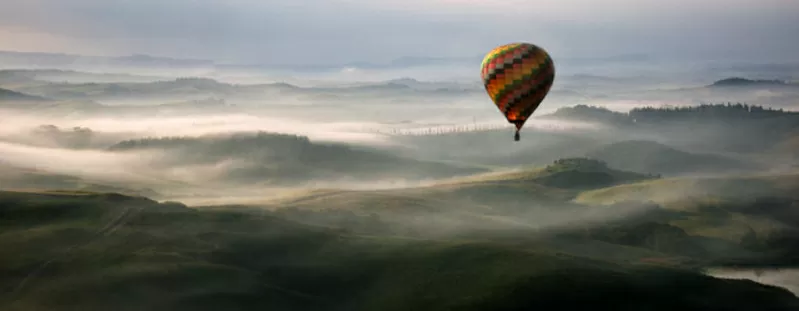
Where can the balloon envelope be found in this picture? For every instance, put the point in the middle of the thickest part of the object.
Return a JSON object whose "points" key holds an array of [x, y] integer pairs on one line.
{"points": [[517, 77]]}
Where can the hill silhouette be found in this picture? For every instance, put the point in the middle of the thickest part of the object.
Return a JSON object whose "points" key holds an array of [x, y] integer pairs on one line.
{"points": [[738, 82], [196, 87], [193, 87], [592, 113], [62, 60], [40, 76], [648, 115]]}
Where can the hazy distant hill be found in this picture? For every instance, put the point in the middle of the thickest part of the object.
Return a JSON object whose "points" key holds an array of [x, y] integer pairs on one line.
{"points": [[204, 87], [592, 114], [586, 173], [22, 76], [648, 115], [434, 86], [740, 82], [286, 159], [776, 69], [757, 92], [192, 87], [12, 96], [60, 61], [653, 157], [721, 127]]}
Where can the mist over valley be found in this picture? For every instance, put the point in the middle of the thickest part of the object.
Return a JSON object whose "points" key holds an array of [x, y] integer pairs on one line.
{"points": [[152, 174]]}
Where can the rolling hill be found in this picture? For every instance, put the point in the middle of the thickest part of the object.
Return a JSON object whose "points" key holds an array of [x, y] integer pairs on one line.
{"points": [[197, 88], [759, 212], [182, 87], [21, 77], [101, 251], [524, 200], [12, 96], [712, 220], [742, 82], [773, 93], [670, 191], [657, 158], [557, 182], [710, 128], [63, 61], [37, 180], [282, 159]]}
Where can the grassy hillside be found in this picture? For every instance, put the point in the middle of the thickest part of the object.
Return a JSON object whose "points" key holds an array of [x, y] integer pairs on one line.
{"points": [[98, 251], [669, 190], [584, 173], [31, 179], [748, 219], [653, 157], [789, 148], [760, 211], [513, 191]]}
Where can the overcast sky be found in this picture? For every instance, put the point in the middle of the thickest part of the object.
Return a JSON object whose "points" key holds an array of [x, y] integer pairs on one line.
{"points": [[334, 31]]}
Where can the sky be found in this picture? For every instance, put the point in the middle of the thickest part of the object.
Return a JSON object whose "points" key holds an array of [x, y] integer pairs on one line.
{"points": [[340, 31]]}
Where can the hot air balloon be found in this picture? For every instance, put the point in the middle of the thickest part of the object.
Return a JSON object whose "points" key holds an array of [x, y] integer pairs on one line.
{"points": [[517, 77]]}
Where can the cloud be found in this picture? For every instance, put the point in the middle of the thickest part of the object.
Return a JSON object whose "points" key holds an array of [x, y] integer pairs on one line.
{"points": [[332, 31]]}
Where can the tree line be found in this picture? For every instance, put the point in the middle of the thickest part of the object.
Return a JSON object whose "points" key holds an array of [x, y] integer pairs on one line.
{"points": [[649, 114]]}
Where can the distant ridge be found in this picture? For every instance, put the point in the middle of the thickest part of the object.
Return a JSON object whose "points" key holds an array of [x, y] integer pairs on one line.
{"points": [[654, 157], [9, 95], [737, 81], [62, 60]]}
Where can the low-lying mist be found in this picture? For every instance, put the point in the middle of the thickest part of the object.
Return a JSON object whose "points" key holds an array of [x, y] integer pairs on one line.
{"points": [[30, 128], [390, 140]]}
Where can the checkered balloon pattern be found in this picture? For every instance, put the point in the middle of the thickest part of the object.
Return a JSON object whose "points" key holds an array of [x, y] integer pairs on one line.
{"points": [[517, 77]]}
